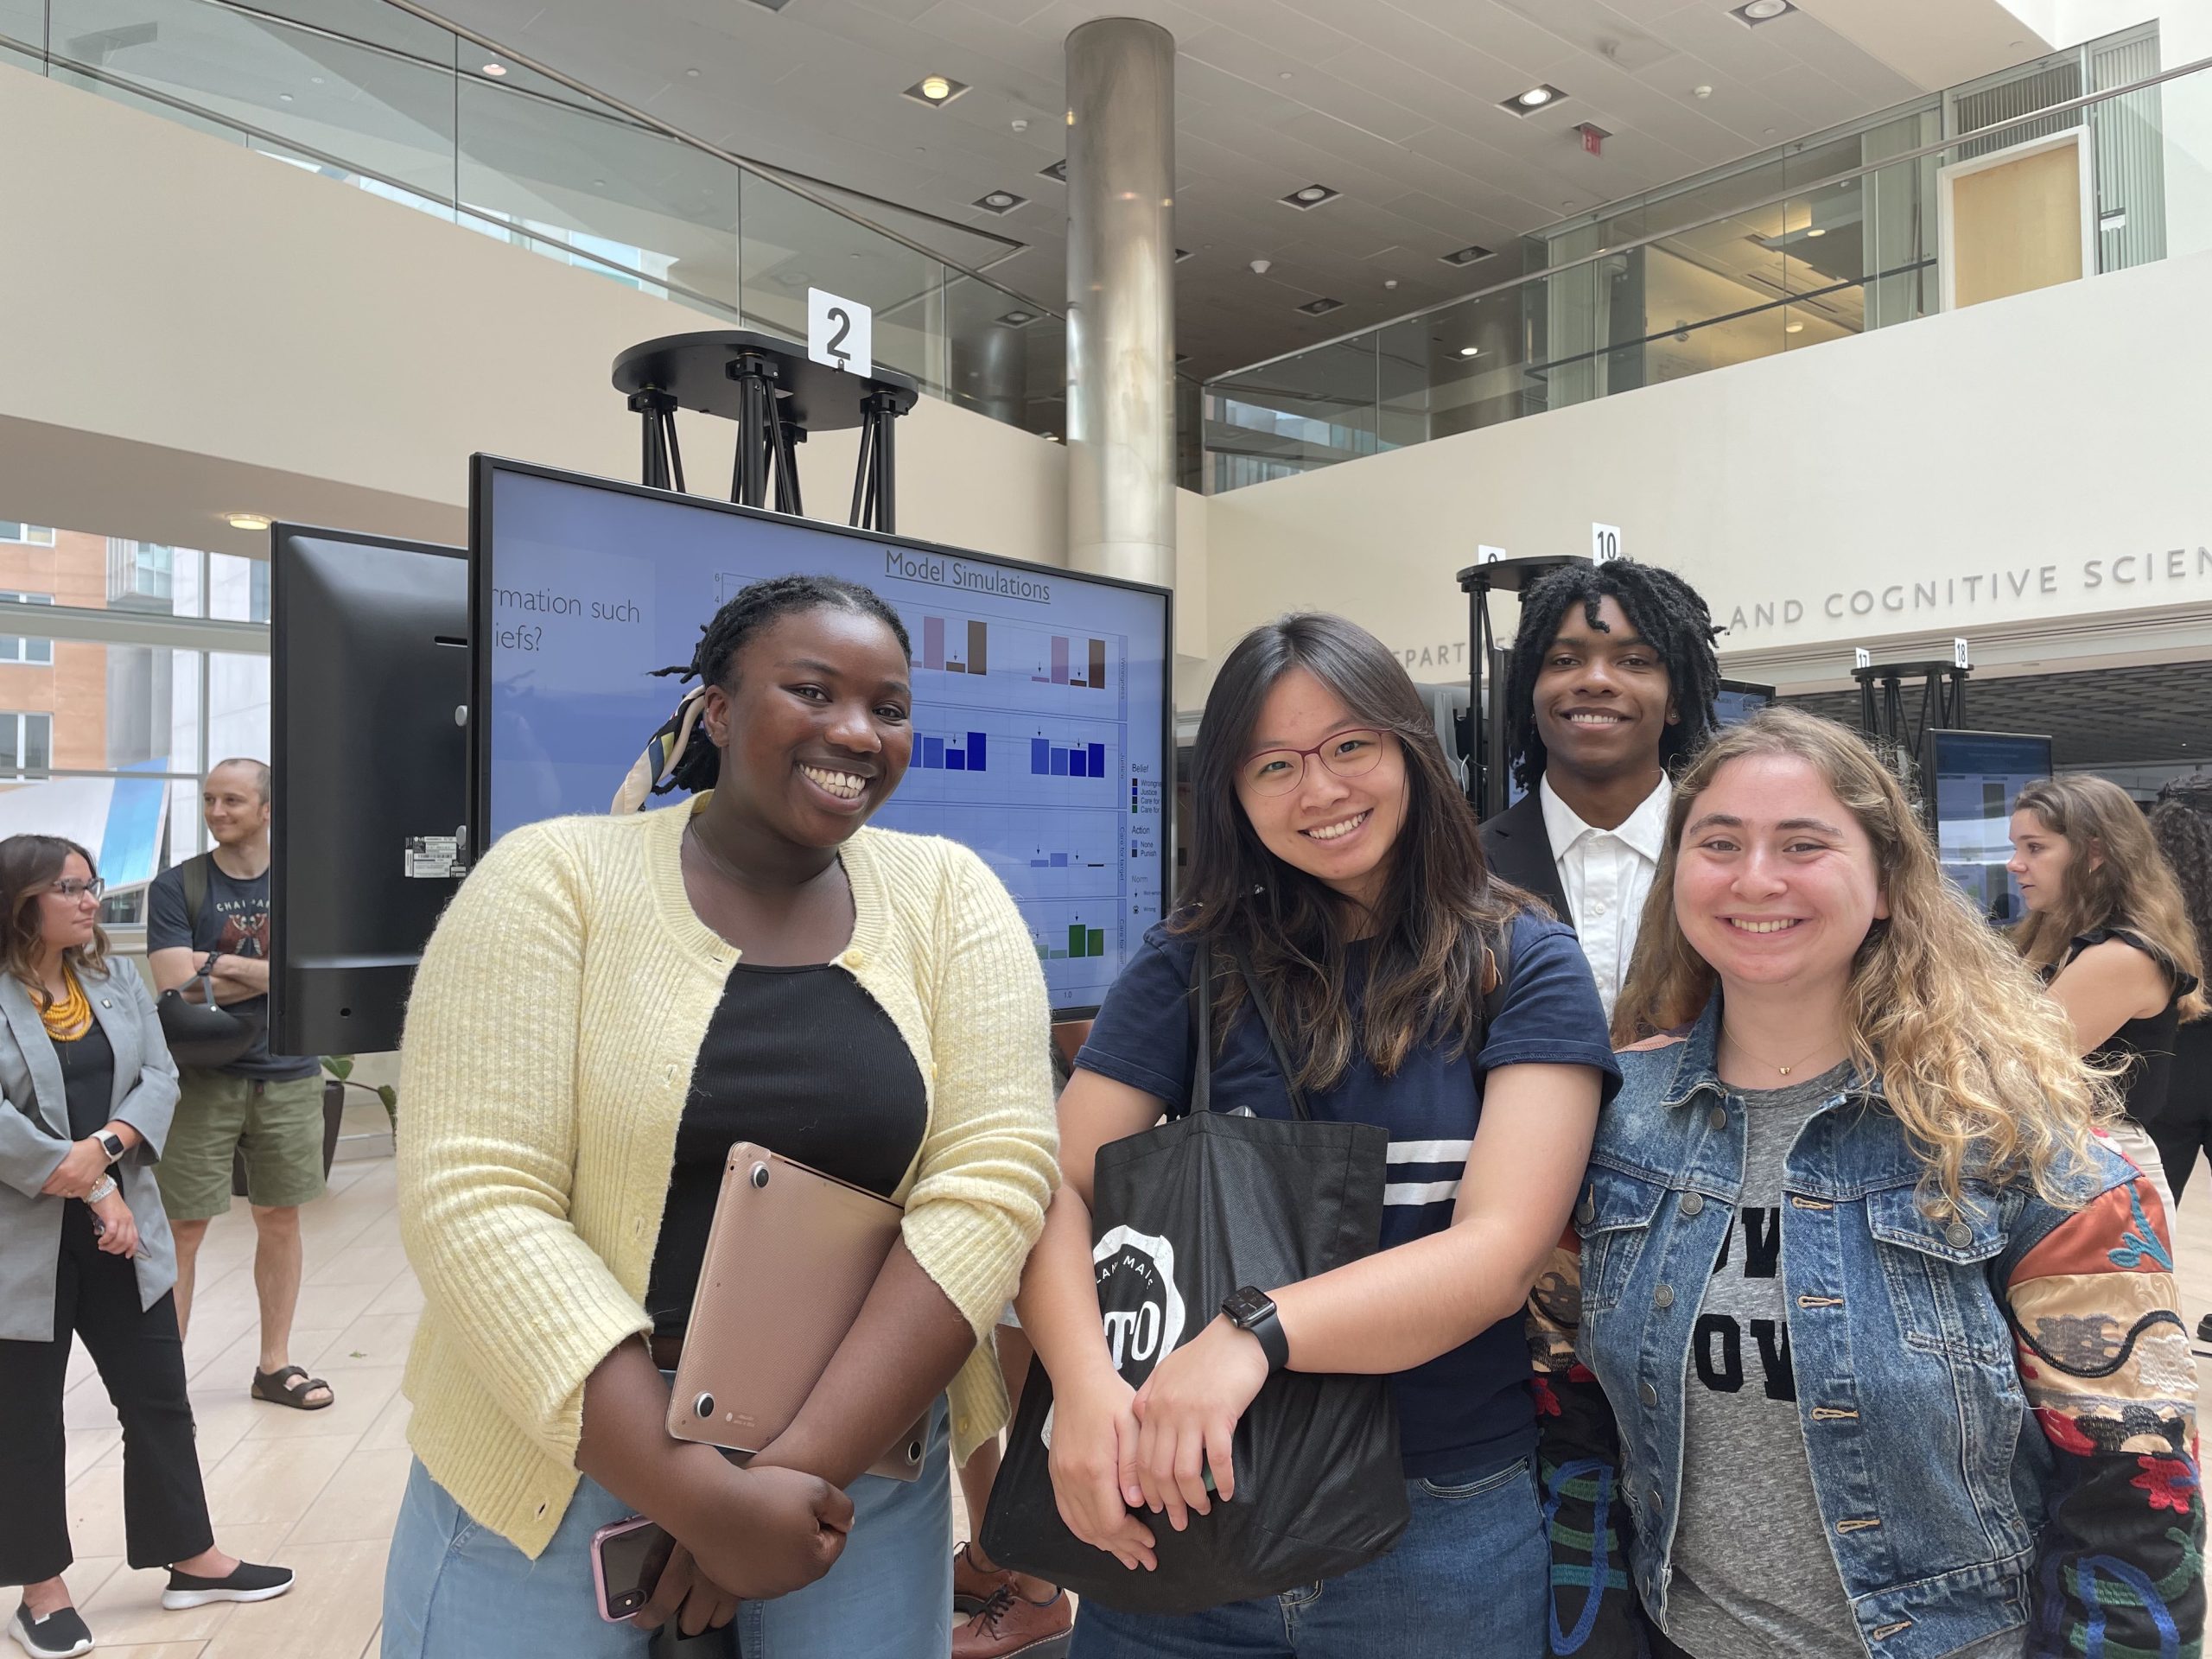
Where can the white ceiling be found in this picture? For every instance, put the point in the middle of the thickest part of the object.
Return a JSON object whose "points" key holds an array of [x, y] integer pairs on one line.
{"points": [[1394, 103]]}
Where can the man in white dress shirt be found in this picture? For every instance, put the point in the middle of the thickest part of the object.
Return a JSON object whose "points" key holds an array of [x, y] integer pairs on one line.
{"points": [[1614, 675]]}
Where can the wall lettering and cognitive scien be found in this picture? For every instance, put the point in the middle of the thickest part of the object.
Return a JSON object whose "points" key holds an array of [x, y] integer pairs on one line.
{"points": [[2146, 578], [2120, 581]]}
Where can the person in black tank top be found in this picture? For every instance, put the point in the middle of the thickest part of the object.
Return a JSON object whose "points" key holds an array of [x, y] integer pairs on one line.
{"points": [[2107, 929], [2181, 825]]}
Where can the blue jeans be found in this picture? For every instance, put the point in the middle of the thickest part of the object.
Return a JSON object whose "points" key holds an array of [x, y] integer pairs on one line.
{"points": [[1467, 1580], [455, 1589]]}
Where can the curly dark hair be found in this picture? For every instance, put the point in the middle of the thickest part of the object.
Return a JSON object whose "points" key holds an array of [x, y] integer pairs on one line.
{"points": [[2182, 825], [755, 606], [1660, 606]]}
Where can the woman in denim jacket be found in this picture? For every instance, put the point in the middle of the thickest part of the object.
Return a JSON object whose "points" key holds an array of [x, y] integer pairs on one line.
{"points": [[1890, 1341]]}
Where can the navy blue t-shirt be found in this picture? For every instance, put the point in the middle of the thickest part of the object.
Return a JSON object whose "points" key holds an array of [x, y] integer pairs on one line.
{"points": [[1471, 1407]]}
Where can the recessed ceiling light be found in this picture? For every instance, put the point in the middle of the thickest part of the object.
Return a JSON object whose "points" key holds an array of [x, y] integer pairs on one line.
{"points": [[1536, 98], [1761, 11], [1793, 328], [495, 70], [1470, 351], [1309, 196], [935, 90], [1000, 201], [248, 520], [1321, 308], [1015, 319], [1058, 172], [1817, 230], [283, 97], [1465, 256], [692, 73]]}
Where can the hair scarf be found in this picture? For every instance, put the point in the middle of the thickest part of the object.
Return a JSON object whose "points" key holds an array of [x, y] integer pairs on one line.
{"points": [[654, 770], [71, 1017]]}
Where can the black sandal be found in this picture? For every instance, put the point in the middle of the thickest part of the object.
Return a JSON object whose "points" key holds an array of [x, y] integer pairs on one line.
{"points": [[279, 1388]]}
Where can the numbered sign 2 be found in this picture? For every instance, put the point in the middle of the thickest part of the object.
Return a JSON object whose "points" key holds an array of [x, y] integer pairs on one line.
{"points": [[1605, 542], [840, 332]]}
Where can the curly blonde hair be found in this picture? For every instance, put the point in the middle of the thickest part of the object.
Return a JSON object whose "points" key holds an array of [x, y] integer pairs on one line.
{"points": [[2117, 877], [1977, 1062]]}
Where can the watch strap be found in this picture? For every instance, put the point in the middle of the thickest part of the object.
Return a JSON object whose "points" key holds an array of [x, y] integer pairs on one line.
{"points": [[1267, 1329]]}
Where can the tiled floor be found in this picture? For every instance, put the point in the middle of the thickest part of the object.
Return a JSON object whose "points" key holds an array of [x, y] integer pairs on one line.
{"points": [[318, 1491]]}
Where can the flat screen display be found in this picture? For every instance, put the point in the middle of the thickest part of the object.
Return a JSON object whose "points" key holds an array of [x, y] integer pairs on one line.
{"points": [[1738, 700], [1041, 708], [1969, 782]]}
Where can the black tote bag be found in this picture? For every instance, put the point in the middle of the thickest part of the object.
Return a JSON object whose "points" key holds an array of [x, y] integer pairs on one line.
{"points": [[1182, 1215]]}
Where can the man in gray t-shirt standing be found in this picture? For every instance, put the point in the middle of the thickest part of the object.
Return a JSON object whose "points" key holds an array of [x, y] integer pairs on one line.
{"points": [[267, 1106], [1754, 1576]]}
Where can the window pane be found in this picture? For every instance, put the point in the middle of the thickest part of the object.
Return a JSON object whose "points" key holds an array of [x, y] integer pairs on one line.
{"points": [[237, 707], [38, 741], [237, 589]]}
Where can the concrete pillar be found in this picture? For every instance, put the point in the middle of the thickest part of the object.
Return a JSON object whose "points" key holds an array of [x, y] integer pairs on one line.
{"points": [[1120, 355]]}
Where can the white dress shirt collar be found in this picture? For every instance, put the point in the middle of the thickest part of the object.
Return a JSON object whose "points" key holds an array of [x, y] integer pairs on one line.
{"points": [[1643, 830]]}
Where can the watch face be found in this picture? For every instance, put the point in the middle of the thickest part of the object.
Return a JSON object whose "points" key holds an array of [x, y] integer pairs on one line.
{"points": [[1246, 1305]]}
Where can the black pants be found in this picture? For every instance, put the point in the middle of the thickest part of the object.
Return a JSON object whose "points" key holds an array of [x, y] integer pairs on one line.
{"points": [[2183, 1126], [141, 1362]]}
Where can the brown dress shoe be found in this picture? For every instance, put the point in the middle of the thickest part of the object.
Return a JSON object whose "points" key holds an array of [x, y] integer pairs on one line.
{"points": [[971, 1586], [1012, 1623]]}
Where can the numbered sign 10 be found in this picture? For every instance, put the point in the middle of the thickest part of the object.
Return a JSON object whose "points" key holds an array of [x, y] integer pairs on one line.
{"points": [[1605, 542], [840, 332]]}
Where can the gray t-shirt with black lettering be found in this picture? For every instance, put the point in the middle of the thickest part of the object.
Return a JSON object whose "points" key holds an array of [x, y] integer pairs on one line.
{"points": [[1754, 1574]]}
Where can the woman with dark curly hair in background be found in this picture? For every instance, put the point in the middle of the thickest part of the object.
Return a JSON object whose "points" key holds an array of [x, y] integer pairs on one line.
{"points": [[2181, 825]]}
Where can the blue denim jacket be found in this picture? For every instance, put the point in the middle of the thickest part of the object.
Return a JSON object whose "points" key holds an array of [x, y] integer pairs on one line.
{"points": [[1935, 1480]]}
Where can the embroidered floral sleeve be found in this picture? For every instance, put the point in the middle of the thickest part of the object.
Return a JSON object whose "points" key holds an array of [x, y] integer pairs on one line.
{"points": [[1594, 1606], [2104, 1359]]}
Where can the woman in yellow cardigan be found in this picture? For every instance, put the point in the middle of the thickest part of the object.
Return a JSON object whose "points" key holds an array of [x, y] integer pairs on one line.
{"points": [[607, 1005]]}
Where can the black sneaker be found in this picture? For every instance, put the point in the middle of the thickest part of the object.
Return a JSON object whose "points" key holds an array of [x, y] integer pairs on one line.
{"points": [[246, 1583], [58, 1636]]}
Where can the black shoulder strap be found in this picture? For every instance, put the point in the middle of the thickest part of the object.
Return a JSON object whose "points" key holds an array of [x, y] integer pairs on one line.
{"points": [[1257, 996], [193, 873], [1202, 1032]]}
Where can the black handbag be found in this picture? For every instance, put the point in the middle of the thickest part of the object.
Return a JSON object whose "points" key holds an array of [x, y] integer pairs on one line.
{"points": [[200, 1034], [1182, 1215]]}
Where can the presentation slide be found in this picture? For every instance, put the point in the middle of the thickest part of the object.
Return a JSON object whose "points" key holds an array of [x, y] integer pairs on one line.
{"points": [[1973, 777], [1040, 695]]}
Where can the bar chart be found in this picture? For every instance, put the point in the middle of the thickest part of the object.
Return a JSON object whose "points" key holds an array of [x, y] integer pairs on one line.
{"points": [[1019, 662]]}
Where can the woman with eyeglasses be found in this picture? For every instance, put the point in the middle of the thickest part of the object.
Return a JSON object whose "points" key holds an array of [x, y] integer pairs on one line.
{"points": [[1335, 863], [87, 1089]]}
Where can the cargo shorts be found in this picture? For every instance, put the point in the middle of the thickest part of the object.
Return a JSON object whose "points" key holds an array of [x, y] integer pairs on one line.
{"points": [[277, 1122]]}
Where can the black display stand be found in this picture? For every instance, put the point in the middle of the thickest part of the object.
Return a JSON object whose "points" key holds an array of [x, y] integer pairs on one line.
{"points": [[777, 394], [1486, 770], [1942, 701]]}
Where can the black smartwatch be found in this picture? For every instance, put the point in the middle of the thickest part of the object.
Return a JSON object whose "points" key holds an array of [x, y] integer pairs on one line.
{"points": [[110, 1144], [1254, 1311]]}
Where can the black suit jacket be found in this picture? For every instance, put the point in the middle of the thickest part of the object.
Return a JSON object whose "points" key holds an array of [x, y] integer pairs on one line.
{"points": [[1520, 851]]}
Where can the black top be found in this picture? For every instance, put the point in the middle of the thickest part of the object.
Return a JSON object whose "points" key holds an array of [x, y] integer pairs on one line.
{"points": [[2145, 1046], [233, 919], [801, 1061], [88, 1076]]}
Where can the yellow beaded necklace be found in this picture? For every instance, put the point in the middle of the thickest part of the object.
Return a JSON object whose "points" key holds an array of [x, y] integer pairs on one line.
{"points": [[72, 1017]]}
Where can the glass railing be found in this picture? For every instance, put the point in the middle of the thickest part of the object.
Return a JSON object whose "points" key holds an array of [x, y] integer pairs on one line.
{"points": [[1836, 236], [378, 96]]}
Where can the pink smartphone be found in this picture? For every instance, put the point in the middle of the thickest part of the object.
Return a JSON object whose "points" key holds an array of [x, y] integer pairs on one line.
{"points": [[627, 1558]]}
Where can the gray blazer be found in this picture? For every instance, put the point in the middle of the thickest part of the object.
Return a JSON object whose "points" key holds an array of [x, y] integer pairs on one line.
{"points": [[34, 1138]]}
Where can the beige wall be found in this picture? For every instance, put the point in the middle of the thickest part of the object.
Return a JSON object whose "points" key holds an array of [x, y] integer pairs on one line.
{"points": [[2002, 472], [192, 329]]}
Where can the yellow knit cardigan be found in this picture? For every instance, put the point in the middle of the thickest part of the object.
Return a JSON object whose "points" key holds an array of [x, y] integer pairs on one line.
{"points": [[550, 1039]]}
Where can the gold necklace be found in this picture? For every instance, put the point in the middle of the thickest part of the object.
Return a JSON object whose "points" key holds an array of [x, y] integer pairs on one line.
{"points": [[1784, 1070]]}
